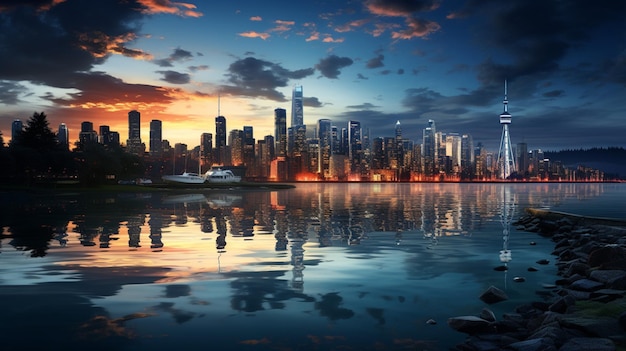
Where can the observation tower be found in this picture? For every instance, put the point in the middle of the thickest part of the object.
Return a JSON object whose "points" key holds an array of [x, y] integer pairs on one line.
{"points": [[506, 162]]}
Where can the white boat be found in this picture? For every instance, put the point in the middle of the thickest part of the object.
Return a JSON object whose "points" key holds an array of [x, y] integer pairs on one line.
{"points": [[185, 178], [218, 175]]}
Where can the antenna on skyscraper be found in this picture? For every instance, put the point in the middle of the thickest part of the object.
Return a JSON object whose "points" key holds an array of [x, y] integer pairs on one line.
{"points": [[218, 103]]}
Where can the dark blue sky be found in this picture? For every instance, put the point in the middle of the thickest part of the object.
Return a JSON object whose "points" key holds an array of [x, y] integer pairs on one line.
{"points": [[374, 61]]}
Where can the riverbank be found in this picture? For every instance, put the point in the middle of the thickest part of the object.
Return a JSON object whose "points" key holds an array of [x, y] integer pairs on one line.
{"points": [[584, 310]]}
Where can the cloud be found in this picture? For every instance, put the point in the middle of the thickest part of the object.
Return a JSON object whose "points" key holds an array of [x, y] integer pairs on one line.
{"points": [[253, 34], [167, 6], [176, 56], [364, 106], [416, 28], [311, 102], [400, 8], [174, 77], [282, 26], [198, 68], [258, 78], [330, 66], [47, 43], [329, 39], [375, 62], [10, 91], [256, 18]]}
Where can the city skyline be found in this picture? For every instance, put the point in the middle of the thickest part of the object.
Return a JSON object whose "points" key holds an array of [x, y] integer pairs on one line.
{"points": [[422, 60]]}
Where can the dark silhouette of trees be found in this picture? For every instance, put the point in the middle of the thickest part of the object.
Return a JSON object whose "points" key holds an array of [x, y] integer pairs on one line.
{"points": [[99, 164]]}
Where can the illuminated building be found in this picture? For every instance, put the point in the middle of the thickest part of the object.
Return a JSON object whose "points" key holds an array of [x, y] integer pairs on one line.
{"points": [[156, 135], [63, 136], [280, 131], [220, 140], [134, 143], [297, 112]]}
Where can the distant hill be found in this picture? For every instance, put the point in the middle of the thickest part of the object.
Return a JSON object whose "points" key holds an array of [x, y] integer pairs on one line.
{"points": [[612, 160]]}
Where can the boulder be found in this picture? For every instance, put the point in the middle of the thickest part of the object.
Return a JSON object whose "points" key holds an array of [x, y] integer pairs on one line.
{"points": [[614, 279], [586, 285], [586, 344], [470, 324], [539, 344], [487, 315], [493, 295], [606, 254]]}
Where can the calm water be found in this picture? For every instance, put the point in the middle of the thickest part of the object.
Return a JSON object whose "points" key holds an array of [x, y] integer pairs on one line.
{"points": [[319, 267]]}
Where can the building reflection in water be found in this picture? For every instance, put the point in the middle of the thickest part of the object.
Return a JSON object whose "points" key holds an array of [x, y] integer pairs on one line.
{"points": [[321, 214]]}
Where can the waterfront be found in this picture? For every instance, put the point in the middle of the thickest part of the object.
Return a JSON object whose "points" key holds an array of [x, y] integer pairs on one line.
{"points": [[321, 266]]}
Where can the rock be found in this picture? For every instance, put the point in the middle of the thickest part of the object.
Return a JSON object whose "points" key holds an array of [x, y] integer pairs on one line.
{"points": [[586, 285], [533, 243], [519, 279], [500, 268], [487, 315], [543, 261], [539, 344], [615, 279], [586, 344], [469, 324], [561, 305], [493, 295], [622, 320], [601, 327], [532, 269], [606, 254], [431, 322]]}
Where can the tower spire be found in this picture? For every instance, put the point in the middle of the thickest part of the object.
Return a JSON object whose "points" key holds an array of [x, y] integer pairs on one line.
{"points": [[506, 162]]}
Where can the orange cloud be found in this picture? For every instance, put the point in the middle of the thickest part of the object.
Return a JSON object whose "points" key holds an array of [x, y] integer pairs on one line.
{"points": [[282, 26], [256, 18], [330, 39], [167, 6], [417, 28], [313, 36], [253, 34], [100, 45], [351, 25]]}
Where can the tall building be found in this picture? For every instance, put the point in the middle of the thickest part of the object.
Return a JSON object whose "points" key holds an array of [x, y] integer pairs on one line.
{"points": [[156, 136], [133, 143], [297, 112], [355, 146], [220, 140], [429, 149], [280, 131], [325, 137], [397, 158], [63, 136], [16, 129], [467, 155], [206, 149], [506, 162], [521, 152], [235, 143]]}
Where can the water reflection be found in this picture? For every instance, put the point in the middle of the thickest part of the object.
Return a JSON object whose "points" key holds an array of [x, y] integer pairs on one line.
{"points": [[385, 254]]}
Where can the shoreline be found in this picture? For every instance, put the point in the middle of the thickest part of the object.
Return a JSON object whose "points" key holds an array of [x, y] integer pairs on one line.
{"points": [[585, 309]]}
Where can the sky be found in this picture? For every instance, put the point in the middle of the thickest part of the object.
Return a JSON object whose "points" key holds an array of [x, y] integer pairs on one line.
{"points": [[373, 61]]}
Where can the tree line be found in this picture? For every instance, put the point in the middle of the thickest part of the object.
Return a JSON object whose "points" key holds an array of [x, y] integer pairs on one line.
{"points": [[35, 156]]}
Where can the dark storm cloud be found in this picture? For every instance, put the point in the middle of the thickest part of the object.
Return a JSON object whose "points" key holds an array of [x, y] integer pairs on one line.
{"points": [[375, 62], [554, 93], [176, 56], [71, 36], [101, 88], [258, 78], [538, 34], [174, 77], [330, 66]]}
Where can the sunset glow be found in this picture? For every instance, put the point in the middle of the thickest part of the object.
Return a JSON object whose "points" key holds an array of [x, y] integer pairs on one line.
{"points": [[375, 61]]}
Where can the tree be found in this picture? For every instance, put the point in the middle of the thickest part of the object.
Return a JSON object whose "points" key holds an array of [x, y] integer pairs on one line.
{"points": [[37, 134], [1, 140]]}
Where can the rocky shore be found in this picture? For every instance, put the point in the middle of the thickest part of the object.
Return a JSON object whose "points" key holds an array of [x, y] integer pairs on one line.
{"points": [[584, 310]]}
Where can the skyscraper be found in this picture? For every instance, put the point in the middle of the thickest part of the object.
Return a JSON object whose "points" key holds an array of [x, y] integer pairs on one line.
{"points": [[156, 136], [206, 149], [429, 149], [506, 162], [220, 140], [87, 135], [63, 136], [280, 131], [297, 112], [134, 133], [324, 134], [16, 129], [355, 149]]}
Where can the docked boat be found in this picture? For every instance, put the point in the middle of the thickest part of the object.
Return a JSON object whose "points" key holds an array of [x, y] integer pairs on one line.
{"points": [[218, 175], [185, 178]]}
